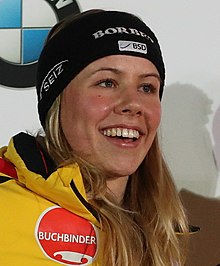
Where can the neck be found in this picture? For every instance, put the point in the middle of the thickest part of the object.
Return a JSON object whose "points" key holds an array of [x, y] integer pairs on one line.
{"points": [[116, 187]]}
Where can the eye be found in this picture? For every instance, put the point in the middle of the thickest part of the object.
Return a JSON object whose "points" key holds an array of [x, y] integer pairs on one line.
{"points": [[107, 83], [148, 88]]}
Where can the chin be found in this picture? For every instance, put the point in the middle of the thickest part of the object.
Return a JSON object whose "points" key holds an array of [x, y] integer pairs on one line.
{"points": [[119, 172]]}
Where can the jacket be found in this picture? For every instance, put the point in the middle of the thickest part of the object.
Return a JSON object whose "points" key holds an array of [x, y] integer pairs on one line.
{"points": [[45, 216]]}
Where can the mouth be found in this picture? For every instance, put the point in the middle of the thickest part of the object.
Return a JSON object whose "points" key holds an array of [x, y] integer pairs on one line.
{"points": [[122, 133]]}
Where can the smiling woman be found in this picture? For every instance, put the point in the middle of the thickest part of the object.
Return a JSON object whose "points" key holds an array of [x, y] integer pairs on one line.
{"points": [[97, 171], [115, 102]]}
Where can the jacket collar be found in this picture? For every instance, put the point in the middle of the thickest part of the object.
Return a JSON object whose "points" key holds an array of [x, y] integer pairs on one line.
{"points": [[37, 172]]}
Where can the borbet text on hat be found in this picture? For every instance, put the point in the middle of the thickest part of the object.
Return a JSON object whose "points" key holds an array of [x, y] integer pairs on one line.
{"points": [[74, 47]]}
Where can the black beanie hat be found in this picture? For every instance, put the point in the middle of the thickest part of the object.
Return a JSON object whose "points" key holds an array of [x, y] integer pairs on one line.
{"points": [[91, 36]]}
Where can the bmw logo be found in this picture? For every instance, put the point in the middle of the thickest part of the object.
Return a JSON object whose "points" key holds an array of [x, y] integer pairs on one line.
{"points": [[24, 25]]}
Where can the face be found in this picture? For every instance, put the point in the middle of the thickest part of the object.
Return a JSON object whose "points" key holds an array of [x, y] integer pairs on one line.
{"points": [[110, 113]]}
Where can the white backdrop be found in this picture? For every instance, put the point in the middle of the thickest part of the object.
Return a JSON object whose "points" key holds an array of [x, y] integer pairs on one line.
{"points": [[189, 34]]}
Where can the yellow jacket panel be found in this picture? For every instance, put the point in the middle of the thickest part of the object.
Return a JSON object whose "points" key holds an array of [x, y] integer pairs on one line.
{"points": [[45, 217]]}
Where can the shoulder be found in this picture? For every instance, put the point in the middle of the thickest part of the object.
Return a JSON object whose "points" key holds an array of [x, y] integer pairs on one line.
{"points": [[7, 171]]}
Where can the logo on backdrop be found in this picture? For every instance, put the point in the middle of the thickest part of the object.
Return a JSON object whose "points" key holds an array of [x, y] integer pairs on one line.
{"points": [[66, 237], [24, 25]]}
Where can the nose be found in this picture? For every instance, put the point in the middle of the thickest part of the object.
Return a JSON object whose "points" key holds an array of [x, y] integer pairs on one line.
{"points": [[129, 103]]}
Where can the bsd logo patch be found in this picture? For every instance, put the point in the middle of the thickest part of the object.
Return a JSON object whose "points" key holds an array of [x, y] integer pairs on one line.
{"points": [[66, 238], [24, 25], [132, 46]]}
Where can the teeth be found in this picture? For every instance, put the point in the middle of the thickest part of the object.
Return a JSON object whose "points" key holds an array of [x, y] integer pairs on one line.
{"points": [[121, 132], [118, 130], [130, 133], [136, 134], [108, 132], [114, 132], [124, 133]]}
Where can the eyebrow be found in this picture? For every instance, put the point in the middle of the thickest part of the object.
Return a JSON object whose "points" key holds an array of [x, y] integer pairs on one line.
{"points": [[117, 71]]}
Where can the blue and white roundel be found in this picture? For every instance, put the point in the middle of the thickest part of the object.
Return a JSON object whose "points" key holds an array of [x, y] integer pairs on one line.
{"points": [[24, 26]]}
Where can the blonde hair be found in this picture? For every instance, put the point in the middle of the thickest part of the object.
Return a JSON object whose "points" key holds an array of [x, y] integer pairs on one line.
{"points": [[141, 230]]}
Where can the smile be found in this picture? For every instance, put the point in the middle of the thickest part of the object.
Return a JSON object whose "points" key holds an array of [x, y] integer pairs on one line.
{"points": [[121, 132]]}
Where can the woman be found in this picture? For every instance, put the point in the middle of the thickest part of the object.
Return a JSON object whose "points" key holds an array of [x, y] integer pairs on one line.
{"points": [[94, 189]]}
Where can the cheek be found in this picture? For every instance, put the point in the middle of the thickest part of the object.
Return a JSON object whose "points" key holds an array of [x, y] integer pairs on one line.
{"points": [[97, 106], [154, 116], [81, 112], [158, 117]]}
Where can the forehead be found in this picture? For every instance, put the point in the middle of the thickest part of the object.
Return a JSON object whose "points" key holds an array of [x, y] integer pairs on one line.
{"points": [[122, 63]]}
